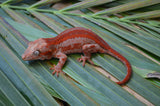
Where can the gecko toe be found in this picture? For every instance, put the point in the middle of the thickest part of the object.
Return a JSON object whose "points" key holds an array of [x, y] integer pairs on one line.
{"points": [[53, 72], [56, 70], [57, 74], [53, 67], [84, 59], [91, 62]]}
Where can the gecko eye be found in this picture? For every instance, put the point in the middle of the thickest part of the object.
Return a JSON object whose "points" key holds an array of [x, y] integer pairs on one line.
{"points": [[36, 52]]}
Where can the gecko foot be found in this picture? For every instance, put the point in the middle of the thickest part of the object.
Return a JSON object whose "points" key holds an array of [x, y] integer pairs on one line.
{"points": [[84, 59], [56, 70]]}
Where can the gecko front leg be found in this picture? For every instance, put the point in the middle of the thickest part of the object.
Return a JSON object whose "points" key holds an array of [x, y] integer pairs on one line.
{"points": [[88, 49], [58, 68]]}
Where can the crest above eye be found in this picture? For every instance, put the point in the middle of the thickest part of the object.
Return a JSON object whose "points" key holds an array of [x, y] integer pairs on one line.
{"points": [[36, 52]]}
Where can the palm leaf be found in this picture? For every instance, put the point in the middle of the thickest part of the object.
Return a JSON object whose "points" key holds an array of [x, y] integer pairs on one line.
{"points": [[7, 94], [85, 4], [32, 82], [24, 81], [150, 14], [128, 6]]}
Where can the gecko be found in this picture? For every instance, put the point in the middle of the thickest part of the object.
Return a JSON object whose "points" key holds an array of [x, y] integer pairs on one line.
{"points": [[73, 40]]}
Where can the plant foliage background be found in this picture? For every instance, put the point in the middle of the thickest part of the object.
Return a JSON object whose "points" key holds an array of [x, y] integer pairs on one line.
{"points": [[131, 27]]}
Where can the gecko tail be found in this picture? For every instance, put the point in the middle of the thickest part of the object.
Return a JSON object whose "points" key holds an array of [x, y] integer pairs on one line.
{"points": [[118, 56]]}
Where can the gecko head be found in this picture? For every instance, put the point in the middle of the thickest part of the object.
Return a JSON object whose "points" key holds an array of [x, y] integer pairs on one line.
{"points": [[38, 49]]}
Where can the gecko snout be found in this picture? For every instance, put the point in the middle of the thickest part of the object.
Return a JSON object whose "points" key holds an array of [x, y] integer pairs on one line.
{"points": [[23, 57]]}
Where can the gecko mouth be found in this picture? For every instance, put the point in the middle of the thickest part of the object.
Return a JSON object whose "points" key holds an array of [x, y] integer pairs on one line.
{"points": [[24, 57], [27, 58]]}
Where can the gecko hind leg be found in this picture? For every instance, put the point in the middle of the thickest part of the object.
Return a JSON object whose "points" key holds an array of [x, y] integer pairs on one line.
{"points": [[88, 49]]}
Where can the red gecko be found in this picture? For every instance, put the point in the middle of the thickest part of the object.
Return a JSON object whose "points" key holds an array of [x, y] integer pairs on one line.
{"points": [[74, 40]]}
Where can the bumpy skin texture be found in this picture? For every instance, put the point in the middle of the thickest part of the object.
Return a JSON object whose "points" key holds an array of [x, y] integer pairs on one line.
{"points": [[74, 40]]}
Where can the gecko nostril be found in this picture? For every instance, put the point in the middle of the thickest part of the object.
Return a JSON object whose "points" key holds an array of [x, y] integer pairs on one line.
{"points": [[23, 57]]}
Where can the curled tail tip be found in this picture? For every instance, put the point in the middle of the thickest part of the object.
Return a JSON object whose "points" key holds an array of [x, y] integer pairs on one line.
{"points": [[121, 83], [126, 79], [125, 62]]}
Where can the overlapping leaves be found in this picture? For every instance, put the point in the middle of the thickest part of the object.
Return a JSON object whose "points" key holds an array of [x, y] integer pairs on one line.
{"points": [[33, 83]]}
